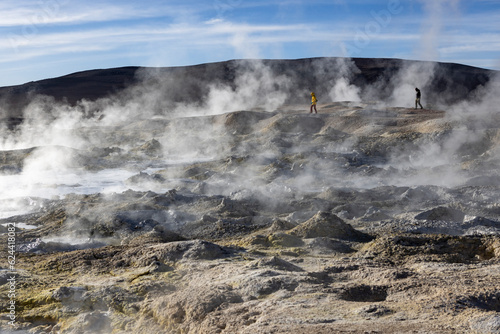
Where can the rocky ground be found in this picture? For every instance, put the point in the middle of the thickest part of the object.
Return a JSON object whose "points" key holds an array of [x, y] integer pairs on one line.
{"points": [[360, 219]]}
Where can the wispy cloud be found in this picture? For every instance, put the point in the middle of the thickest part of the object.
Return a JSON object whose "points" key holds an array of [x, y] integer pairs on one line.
{"points": [[55, 12], [216, 33]]}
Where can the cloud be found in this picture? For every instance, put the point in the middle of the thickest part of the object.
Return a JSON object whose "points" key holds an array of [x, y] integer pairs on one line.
{"points": [[57, 12], [214, 21], [215, 33], [471, 46], [220, 34]]}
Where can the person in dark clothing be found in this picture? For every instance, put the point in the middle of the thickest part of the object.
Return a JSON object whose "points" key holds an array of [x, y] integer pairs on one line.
{"points": [[417, 100]]}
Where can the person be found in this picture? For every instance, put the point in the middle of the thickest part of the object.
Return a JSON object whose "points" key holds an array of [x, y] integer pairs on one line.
{"points": [[417, 100], [314, 100]]}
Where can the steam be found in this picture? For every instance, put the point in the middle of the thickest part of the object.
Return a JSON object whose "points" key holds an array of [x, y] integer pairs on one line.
{"points": [[256, 86], [59, 136], [343, 90], [441, 157], [162, 108], [416, 75], [436, 11], [45, 123]]}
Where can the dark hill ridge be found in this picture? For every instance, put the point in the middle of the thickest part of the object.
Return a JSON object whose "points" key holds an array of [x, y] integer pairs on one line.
{"points": [[450, 83], [89, 85]]}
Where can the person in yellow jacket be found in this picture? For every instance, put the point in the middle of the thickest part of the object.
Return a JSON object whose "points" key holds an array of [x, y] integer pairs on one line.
{"points": [[314, 100]]}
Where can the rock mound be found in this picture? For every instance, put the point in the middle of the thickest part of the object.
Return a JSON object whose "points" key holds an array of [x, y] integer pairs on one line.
{"points": [[97, 322], [442, 213], [143, 177], [241, 122], [295, 123], [326, 224], [193, 304], [452, 249], [157, 235], [327, 246], [280, 239], [151, 148], [277, 264], [189, 250]]}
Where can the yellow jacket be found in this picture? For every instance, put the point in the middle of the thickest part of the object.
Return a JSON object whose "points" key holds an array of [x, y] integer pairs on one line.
{"points": [[313, 99]]}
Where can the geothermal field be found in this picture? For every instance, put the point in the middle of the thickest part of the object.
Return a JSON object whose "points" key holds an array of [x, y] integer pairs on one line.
{"points": [[207, 199]]}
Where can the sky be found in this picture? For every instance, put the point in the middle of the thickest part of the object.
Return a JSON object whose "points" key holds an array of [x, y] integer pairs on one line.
{"points": [[42, 39]]}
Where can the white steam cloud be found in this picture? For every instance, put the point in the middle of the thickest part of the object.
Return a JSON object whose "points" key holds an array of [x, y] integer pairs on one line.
{"points": [[342, 89], [416, 75], [256, 86]]}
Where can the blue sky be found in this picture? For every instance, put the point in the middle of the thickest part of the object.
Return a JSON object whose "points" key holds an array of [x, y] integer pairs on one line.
{"points": [[48, 38]]}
